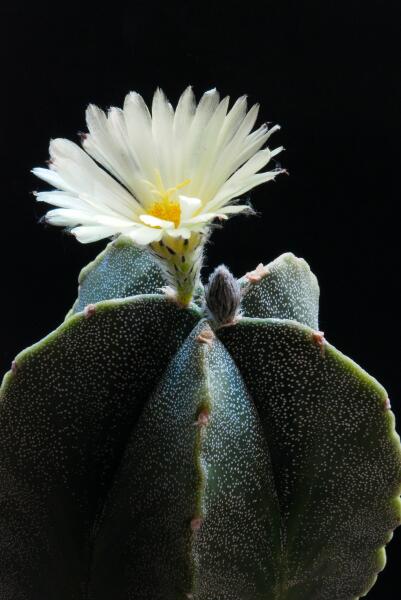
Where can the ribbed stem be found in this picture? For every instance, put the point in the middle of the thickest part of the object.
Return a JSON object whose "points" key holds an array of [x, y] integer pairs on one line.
{"points": [[181, 260]]}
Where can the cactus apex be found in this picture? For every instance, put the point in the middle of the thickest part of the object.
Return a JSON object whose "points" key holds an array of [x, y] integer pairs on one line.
{"points": [[257, 274], [89, 310]]}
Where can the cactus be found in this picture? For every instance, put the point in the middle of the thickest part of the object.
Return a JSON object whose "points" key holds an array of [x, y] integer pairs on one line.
{"points": [[174, 441], [219, 451]]}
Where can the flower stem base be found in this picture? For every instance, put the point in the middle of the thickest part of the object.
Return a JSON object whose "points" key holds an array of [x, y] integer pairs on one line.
{"points": [[181, 261]]}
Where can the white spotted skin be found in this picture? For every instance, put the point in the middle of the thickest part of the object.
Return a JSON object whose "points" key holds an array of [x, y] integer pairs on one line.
{"points": [[288, 290], [194, 511], [154, 499], [335, 455], [143, 458], [65, 416], [121, 270], [237, 549]]}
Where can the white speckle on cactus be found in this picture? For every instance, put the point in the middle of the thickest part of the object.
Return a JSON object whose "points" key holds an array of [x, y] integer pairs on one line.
{"points": [[64, 423], [290, 291], [335, 456], [172, 471], [121, 270], [287, 485]]}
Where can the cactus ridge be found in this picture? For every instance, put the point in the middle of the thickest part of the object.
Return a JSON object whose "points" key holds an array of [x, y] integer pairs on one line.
{"points": [[120, 271], [66, 411], [284, 289], [148, 454], [345, 466]]}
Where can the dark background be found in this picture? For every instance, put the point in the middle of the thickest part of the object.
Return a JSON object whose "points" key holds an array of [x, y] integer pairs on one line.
{"points": [[328, 72]]}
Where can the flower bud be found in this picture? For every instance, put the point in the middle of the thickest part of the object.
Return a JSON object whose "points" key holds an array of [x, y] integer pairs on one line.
{"points": [[223, 296]]}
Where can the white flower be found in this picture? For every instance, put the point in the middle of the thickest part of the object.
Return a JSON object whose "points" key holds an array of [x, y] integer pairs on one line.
{"points": [[155, 175]]}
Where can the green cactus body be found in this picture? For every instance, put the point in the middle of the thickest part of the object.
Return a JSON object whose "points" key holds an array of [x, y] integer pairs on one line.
{"points": [[148, 454]]}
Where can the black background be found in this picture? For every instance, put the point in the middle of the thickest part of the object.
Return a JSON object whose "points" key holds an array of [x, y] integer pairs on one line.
{"points": [[328, 72]]}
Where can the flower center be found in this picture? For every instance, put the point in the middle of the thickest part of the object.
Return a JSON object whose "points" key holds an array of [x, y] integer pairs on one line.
{"points": [[166, 209]]}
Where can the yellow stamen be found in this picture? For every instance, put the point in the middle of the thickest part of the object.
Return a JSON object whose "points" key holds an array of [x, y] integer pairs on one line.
{"points": [[178, 186], [166, 208]]}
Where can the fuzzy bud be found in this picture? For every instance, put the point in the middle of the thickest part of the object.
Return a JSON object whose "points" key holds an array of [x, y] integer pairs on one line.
{"points": [[223, 296]]}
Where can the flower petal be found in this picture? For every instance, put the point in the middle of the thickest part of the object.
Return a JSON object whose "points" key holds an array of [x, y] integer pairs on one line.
{"points": [[194, 136], [71, 217], [65, 217], [184, 112], [145, 235], [188, 206], [209, 145], [139, 130], [115, 222], [241, 187], [84, 176], [234, 209], [62, 199], [156, 222], [52, 177], [107, 142], [183, 232], [85, 234], [204, 218], [230, 155], [162, 131], [240, 179], [234, 119]]}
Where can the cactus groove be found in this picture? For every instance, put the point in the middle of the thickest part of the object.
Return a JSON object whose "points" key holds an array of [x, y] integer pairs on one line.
{"points": [[148, 454]]}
